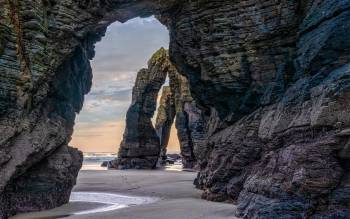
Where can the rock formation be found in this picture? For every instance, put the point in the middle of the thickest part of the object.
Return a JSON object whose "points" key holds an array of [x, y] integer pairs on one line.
{"points": [[140, 147], [176, 100], [143, 144], [45, 185], [38, 102], [281, 154], [271, 77], [189, 120], [165, 118]]}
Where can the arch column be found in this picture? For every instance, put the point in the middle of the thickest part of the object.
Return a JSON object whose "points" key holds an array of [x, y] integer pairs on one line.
{"points": [[140, 147]]}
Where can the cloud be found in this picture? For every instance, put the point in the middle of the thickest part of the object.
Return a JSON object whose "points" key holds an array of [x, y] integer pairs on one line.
{"points": [[130, 45], [112, 95]]}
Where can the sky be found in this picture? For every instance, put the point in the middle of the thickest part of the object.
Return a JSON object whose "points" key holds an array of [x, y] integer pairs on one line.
{"points": [[123, 51]]}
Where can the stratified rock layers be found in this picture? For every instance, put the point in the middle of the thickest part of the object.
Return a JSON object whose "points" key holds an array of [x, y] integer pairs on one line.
{"points": [[278, 81], [45, 185], [40, 93], [140, 147], [176, 101], [143, 144], [165, 118], [189, 120], [271, 76]]}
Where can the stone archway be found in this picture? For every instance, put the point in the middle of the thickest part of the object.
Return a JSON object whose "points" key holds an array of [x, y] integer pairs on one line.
{"points": [[143, 145], [273, 74], [45, 52]]}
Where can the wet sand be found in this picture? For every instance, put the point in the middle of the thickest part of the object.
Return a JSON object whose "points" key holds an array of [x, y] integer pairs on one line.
{"points": [[178, 199]]}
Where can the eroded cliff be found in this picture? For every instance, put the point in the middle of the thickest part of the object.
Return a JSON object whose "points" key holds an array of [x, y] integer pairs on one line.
{"points": [[165, 118], [190, 123], [140, 147], [143, 145], [177, 103], [271, 76]]}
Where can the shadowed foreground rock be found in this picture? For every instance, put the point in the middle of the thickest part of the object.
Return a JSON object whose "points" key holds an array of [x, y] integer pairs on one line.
{"points": [[45, 185], [285, 151], [272, 78]]}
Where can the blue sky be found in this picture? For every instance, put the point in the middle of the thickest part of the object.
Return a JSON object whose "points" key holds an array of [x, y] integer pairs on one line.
{"points": [[124, 50]]}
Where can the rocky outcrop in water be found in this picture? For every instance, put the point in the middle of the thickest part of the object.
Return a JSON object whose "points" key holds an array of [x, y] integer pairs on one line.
{"points": [[270, 76]]}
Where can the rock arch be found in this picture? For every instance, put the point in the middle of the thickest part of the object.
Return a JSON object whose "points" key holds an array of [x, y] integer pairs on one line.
{"points": [[143, 145], [165, 119], [140, 147], [273, 74]]}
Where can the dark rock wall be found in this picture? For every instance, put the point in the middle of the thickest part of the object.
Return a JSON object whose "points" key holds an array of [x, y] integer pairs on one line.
{"points": [[239, 51], [36, 132], [176, 101], [271, 77], [189, 120], [300, 168], [275, 73], [40, 93], [45, 185]]}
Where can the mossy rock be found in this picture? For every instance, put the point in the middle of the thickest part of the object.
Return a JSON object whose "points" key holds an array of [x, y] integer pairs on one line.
{"points": [[159, 55]]}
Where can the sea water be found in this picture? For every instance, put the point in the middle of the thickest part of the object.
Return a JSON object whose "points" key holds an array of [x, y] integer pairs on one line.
{"points": [[93, 161]]}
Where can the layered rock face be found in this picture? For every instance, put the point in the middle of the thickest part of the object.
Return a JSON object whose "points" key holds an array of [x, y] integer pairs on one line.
{"points": [[140, 147], [144, 144], [176, 101], [45, 185], [189, 120], [38, 102], [165, 118], [276, 75], [271, 76]]}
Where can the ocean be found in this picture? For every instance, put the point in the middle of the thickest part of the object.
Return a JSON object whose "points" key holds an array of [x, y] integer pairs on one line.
{"points": [[93, 161]]}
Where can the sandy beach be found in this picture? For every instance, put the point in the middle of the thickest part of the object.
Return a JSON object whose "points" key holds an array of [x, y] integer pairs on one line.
{"points": [[177, 197]]}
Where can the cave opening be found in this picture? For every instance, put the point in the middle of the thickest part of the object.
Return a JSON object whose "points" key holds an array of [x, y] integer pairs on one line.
{"points": [[271, 76], [123, 51]]}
